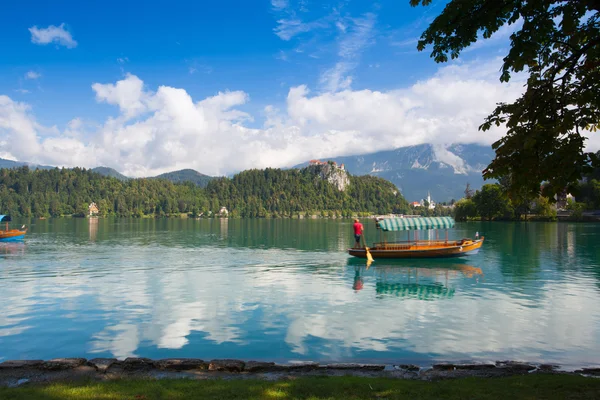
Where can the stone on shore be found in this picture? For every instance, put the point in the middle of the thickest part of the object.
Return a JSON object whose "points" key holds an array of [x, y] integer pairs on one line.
{"points": [[548, 367], [355, 367], [515, 366], [102, 364], [260, 366], [57, 364], [475, 367], [137, 364], [310, 366], [181, 364], [14, 364], [226, 365], [444, 367], [589, 371], [409, 367]]}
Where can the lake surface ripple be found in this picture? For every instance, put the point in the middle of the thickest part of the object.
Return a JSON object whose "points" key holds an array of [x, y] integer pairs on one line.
{"points": [[285, 290]]}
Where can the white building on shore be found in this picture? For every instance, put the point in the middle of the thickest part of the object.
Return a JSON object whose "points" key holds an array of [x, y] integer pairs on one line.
{"points": [[429, 201]]}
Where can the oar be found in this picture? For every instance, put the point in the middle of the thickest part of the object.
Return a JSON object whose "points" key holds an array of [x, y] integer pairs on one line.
{"points": [[369, 256]]}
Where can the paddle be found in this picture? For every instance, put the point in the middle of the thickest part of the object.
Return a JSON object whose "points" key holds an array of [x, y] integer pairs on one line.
{"points": [[369, 256]]}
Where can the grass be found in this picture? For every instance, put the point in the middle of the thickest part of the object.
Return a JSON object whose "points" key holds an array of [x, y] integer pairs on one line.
{"points": [[347, 388]]}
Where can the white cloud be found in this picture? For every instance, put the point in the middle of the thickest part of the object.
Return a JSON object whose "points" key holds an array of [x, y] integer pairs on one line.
{"points": [[356, 34], [52, 34], [201, 68], [279, 5], [337, 78], [282, 56], [163, 130], [22, 91], [287, 28], [360, 35], [128, 94], [32, 75], [406, 42], [18, 129], [290, 23]]}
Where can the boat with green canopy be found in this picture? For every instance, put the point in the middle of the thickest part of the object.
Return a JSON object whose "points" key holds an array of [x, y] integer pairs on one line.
{"points": [[414, 247]]}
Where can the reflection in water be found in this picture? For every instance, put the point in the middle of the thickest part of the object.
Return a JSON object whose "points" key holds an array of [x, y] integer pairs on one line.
{"points": [[12, 248], [423, 283], [224, 225], [415, 290], [287, 290], [93, 228], [358, 279]]}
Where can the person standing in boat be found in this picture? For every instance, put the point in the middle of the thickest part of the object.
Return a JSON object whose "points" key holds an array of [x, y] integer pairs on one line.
{"points": [[358, 231]]}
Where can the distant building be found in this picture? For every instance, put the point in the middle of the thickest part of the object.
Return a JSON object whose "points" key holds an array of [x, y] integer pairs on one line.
{"points": [[415, 204], [318, 162], [93, 210], [223, 211], [429, 201], [562, 199]]}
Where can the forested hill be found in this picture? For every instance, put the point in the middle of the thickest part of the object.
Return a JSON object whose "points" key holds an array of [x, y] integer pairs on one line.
{"points": [[186, 175], [257, 193], [254, 193]]}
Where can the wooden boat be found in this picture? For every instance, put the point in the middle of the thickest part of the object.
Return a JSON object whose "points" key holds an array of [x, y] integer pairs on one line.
{"points": [[417, 248], [8, 235]]}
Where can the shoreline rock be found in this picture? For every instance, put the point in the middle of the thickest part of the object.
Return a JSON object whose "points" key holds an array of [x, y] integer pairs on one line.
{"points": [[22, 372]]}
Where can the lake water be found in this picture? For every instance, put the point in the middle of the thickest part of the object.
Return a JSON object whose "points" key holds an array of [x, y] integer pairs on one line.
{"points": [[285, 290]]}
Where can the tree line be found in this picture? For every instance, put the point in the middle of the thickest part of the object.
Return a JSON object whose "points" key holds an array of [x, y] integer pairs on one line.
{"points": [[492, 202], [498, 201], [254, 193]]}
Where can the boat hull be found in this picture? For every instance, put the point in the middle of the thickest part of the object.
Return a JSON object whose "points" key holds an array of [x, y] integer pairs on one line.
{"points": [[422, 250], [12, 235]]}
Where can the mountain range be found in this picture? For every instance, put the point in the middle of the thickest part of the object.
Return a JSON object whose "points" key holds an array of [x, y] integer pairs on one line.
{"points": [[184, 175], [416, 170]]}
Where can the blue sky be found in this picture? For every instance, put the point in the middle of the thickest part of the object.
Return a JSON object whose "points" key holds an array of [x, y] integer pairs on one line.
{"points": [[347, 52], [202, 46]]}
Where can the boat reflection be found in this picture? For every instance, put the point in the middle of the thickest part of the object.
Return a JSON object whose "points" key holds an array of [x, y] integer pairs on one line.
{"points": [[12, 248], [420, 280]]}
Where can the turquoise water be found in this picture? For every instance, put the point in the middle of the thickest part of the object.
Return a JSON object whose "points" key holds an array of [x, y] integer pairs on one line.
{"points": [[285, 290]]}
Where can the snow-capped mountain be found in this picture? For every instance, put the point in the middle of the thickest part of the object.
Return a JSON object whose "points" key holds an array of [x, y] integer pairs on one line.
{"points": [[442, 170]]}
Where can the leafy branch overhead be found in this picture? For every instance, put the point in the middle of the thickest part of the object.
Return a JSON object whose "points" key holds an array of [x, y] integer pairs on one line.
{"points": [[558, 46]]}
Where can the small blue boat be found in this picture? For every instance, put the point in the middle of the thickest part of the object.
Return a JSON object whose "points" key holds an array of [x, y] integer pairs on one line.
{"points": [[11, 235]]}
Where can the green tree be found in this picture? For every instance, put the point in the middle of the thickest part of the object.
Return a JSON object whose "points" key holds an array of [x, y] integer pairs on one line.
{"points": [[543, 208], [464, 209], [558, 46], [576, 209], [491, 202]]}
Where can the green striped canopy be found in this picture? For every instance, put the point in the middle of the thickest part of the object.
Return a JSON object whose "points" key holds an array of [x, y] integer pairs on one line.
{"points": [[413, 290], [420, 223]]}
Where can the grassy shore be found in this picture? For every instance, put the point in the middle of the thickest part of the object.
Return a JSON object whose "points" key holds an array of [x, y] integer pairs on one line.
{"points": [[346, 388]]}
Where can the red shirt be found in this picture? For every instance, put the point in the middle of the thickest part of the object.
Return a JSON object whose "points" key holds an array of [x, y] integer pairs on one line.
{"points": [[358, 228]]}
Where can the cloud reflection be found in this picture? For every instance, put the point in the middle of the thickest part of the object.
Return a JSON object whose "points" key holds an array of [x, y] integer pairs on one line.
{"points": [[308, 304]]}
